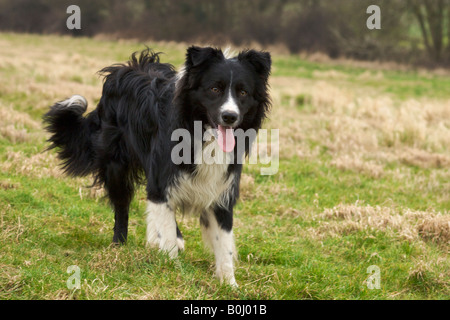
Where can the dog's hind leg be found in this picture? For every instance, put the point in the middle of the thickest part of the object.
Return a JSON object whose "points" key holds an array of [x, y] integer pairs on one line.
{"points": [[120, 191], [218, 236], [162, 229]]}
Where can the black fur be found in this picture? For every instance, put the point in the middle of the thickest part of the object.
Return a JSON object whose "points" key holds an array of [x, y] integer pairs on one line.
{"points": [[127, 138]]}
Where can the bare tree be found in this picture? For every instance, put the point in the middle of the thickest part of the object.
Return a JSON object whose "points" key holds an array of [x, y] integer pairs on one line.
{"points": [[431, 16]]}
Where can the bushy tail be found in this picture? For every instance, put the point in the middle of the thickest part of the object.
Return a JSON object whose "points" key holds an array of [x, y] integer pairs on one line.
{"points": [[72, 134]]}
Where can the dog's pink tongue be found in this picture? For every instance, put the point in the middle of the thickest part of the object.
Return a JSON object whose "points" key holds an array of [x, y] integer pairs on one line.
{"points": [[226, 138]]}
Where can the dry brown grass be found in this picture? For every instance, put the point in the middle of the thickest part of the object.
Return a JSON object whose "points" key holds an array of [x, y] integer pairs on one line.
{"points": [[15, 125], [436, 229], [363, 132], [45, 74], [355, 163], [424, 159], [38, 165], [401, 223]]}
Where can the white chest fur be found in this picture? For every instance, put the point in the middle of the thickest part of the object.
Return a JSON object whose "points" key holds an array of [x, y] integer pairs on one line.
{"points": [[209, 185]]}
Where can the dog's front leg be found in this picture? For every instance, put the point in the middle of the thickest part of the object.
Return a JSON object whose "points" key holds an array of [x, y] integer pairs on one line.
{"points": [[218, 236], [162, 228]]}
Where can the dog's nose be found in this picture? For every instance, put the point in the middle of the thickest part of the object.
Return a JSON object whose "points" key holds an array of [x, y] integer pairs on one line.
{"points": [[229, 117]]}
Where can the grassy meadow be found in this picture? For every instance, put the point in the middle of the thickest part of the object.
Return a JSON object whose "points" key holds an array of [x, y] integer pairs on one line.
{"points": [[363, 181]]}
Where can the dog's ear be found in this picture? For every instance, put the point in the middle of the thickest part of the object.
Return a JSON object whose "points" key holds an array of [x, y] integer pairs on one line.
{"points": [[260, 60], [196, 56]]}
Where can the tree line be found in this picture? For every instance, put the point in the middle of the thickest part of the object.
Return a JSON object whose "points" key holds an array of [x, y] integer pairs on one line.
{"points": [[412, 31]]}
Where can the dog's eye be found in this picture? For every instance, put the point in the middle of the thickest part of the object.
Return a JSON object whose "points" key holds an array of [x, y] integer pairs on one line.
{"points": [[243, 93], [215, 89]]}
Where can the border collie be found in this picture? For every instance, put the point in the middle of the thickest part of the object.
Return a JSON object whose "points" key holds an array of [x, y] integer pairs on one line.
{"points": [[128, 139]]}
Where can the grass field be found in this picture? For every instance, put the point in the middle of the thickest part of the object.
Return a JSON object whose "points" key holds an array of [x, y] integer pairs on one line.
{"points": [[363, 181]]}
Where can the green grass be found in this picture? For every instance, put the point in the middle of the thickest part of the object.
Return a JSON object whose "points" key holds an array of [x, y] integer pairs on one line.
{"points": [[287, 247], [47, 228]]}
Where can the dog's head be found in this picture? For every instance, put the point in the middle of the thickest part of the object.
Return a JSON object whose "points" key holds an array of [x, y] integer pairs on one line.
{"points": [[225, 92]]}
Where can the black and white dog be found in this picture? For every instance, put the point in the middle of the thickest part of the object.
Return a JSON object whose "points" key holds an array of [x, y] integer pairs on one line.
{"points": [[128, 139]]}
